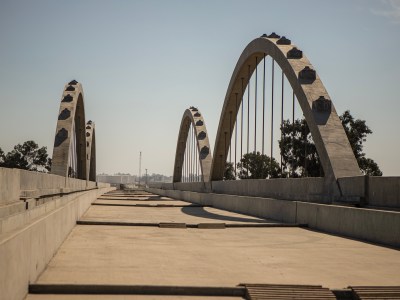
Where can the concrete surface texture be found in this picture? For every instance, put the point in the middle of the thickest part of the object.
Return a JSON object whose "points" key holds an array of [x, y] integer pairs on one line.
{"points": [[142, 202], [219, 258], [187, 214], [212, 257]]}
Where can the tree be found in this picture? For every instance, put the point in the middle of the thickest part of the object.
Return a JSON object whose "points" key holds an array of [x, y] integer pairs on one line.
{"points": [[229, 171], [299, 154], [357, 131], [28, 156], [258, 166], [2, 157]]}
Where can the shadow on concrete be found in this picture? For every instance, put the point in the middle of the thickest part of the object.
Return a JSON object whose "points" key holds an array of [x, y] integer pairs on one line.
{"points": [[202, 213]]}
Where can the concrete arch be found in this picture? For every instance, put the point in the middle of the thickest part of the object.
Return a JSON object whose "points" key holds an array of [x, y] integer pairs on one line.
{"points": [[192, 116], [333, 147], [70, 138], [90, 151]]}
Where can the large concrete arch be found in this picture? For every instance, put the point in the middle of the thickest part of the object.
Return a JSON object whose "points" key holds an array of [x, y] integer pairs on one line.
{"points": [[192, 116], [327, 131], [70, 132], [91, 151]]}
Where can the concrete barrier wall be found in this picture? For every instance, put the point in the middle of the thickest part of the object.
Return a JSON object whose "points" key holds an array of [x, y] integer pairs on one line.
{"points": [[371, 225], [304, 189], [200, 187], [162, 185], [25, 251], [384, 191], [16, 183], [352, 186], [9, 185], [375, 191]]}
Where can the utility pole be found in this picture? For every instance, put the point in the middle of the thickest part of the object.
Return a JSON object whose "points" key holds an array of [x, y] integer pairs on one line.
{"points": [[140, 165], [146, 177]]}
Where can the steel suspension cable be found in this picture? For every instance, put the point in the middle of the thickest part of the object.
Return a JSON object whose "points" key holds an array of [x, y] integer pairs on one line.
{"points": [[241, 125], [193, 153], [186, 160], [190, 153], [248, 109], [263, 110], [230, 134], [197, 160], [283, 91], [236, 123], [248, 115], [293, 135], [255, 108], [272, 112]]}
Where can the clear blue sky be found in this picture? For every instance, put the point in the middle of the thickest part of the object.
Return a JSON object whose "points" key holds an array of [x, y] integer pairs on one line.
{"points": [[141, 63]]}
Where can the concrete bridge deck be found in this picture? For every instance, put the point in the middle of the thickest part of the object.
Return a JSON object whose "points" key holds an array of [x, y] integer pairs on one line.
{"points": [[149, 255]]}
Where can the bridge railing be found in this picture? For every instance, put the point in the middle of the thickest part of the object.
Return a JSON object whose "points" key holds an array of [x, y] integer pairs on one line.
{"points": [[370, 191]]}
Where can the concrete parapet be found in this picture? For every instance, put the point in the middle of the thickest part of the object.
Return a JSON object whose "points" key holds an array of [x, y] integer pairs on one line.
{"points": [[377, 226], [17, 185], [352, 186], [384, 191], [200, 187], [305, 189], [373, 191], [312, 189], [9, 185], [162, 185], [31, 238]]}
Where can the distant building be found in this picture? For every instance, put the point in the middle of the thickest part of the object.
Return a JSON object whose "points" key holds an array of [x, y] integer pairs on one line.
{"points": [[117, 179]]}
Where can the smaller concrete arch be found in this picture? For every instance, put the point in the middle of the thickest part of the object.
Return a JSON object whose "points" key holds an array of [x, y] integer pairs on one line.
{"points": [[91, 151], [69, 152], [192, 116]]}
